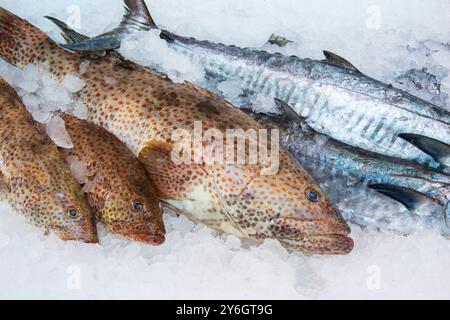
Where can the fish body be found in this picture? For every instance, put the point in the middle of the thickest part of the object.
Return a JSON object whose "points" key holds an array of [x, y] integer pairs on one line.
{"points": [[425, 191], [36, 180], [143, 108], [339, 102], [116, 184], [334, 97]]}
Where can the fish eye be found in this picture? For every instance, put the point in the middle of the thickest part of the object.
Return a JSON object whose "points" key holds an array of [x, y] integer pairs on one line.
{"points": [[72, 213], [138, 205], [312, 195]]}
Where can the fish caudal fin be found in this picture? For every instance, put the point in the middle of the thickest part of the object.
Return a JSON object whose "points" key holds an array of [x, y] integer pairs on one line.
{"points": [[77, 42], [69, 35], [19, 40], [440, 151], [413, 200], [137, 15]]}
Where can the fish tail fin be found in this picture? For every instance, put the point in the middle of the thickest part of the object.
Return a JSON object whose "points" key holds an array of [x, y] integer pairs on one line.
{"points": [[69, 35], [137, 15], [19, 40]]}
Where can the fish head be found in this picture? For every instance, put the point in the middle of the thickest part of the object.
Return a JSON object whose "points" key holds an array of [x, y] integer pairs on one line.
{"points": [[66, 213], [288, 206], [134, 213]]}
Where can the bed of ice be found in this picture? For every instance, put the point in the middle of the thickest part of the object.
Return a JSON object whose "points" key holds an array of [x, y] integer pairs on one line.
{"points": [[379, 36]]}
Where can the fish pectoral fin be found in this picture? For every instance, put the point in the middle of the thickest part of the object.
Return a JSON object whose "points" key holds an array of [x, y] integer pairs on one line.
{"points": [[168, 206], [411, 199], [337, 60], [439, 150], [171, 176], [69, 35]]}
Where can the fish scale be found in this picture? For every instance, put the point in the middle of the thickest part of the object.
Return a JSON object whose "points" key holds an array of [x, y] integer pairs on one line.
{"points": [[116, 184], [143, 108]]}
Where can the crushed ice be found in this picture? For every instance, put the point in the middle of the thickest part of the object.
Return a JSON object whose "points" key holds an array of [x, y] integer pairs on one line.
{"points": [[382, 40]]}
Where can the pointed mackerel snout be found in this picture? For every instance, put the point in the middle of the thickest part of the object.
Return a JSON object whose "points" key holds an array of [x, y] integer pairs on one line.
{"points": [[36, 179], [116, 184], [143, 109]]}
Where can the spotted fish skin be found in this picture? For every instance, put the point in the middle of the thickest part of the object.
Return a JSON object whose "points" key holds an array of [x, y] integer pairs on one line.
{"points": [[335, 98], [116, 184], [143, 108], [37, 179]]}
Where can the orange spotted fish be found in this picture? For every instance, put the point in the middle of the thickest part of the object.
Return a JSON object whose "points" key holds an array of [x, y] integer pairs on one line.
{"points": [[36, 180], [116, 184], [144, 108]]}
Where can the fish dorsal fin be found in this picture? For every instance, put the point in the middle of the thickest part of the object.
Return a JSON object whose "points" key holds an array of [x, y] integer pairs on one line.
{"points": [[439, 150], [337, 60], [413, 200], [137, 15], [287, 111], [69, 35]]}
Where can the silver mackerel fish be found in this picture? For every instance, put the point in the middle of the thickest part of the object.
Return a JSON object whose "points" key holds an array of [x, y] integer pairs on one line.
{"points": [[424, 191], [333, 96]]}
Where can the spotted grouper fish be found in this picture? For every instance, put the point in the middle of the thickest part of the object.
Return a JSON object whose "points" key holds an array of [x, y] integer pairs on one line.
{"points": [[35, 178], [334, 97], [116, 184], [144, 109]]}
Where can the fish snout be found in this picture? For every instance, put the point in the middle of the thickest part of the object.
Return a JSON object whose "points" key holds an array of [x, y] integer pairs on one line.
{"points": [[317, 236], [145, 232], [154, 239], [87, 234]]}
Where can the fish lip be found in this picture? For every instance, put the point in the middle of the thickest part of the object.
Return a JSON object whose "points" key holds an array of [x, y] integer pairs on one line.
{"points": [[63, 234], [333, 239], [152, 234], [150, 239], [320, 244]]}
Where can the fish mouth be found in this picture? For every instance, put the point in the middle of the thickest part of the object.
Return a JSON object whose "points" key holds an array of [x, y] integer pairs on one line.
{"points": [[153, 239], [66, 235], [148, 233], [314, 236], [322, 244]]}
